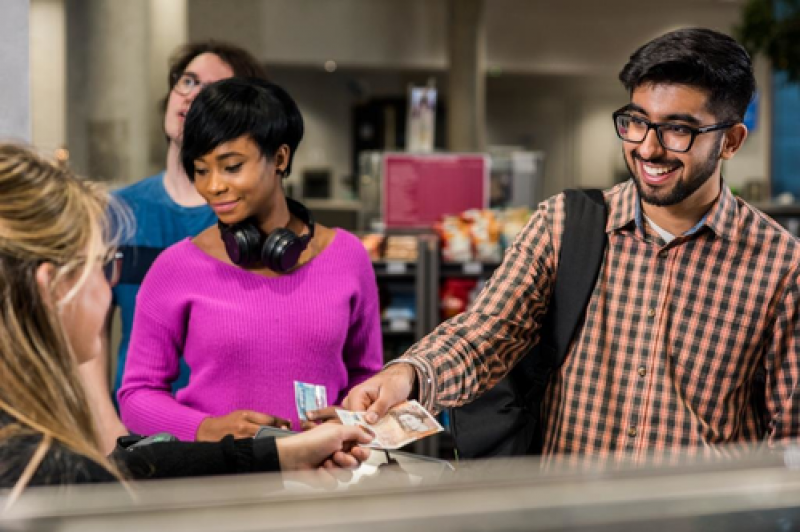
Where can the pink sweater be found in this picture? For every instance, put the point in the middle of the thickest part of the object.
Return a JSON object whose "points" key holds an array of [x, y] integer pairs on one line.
{"points": [[246, 337]]}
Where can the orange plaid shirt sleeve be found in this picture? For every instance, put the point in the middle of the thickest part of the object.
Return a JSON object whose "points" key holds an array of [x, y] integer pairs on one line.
{"points": [[672, 336]]}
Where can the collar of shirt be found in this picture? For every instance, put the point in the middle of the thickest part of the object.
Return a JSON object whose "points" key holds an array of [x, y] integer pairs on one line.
{"points": [[625, 212]]}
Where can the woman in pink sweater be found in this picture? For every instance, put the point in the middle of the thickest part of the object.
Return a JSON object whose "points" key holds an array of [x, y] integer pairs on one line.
{"points": [[262, 299]]}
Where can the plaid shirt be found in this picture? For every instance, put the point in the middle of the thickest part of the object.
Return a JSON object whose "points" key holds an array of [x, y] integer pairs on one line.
{"points": [[672, 336]]}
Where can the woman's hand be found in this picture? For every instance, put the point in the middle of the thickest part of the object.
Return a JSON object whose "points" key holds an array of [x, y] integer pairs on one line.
{"points": [[329, 448], [317, 417], [240, 423]]}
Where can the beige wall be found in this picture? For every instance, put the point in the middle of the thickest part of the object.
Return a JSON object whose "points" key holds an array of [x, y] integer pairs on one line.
{"points": [[752, 163], [166, 26], [553, 36], [168, 30], [324, 100], [567, 117], [589, 36], [15, 106], [376, 33], [48, 74]]}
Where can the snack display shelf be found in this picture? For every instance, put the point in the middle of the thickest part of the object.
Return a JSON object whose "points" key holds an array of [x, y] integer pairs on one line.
{"points": [[411, 306], [467, 269], [399, 326], [395, 268], [404, 286]]}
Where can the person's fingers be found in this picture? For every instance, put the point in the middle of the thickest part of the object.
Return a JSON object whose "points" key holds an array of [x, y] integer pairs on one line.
{"points": [[348, 445], [330, 465], [360, 398], [261, 419], [308, 425], [378, 408], [238, 424], [254, 417], [247, 430], [279, 422], [345, 460], [365, 435], [340, 468], [382, 391], [369, 434], [347, 404], [355, 434], [360, 453], [323, 414]]}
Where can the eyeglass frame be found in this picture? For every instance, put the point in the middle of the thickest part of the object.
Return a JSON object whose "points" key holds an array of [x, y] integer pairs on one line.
{"points": [[694, 131], [112, 268], [198, 85]]}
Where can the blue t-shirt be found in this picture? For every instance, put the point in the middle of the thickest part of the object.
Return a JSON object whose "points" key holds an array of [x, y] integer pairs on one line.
{"points": [[160, 222]]}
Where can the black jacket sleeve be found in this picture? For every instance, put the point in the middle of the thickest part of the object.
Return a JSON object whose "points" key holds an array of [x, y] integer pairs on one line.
{"points": [[191, 459], [59, 466]]}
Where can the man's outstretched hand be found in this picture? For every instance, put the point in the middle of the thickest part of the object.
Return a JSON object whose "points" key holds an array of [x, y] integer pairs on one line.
{"points": [[379, 393]]}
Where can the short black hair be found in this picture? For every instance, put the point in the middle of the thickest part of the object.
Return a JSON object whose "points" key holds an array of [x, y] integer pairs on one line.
{"points": [[237, 107], [701, 58]]}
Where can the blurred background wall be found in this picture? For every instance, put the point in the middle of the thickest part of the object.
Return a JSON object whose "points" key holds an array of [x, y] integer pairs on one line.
{"points": [[98, 73], [15, 83]]}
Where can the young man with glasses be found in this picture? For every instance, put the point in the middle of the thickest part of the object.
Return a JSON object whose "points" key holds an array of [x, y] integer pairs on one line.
{"points": [[166, 207], [698, 294]]}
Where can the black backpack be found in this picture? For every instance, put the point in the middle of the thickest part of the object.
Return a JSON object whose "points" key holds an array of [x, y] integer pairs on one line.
{"points": [[505, 421]]}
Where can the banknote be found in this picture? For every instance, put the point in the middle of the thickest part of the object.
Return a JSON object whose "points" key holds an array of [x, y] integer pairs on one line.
{"points": [[350, 418], [403, 424], [309, 397]]}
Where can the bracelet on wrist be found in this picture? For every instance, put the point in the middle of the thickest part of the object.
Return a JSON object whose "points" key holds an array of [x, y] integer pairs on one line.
{"points": [[422, 385]]}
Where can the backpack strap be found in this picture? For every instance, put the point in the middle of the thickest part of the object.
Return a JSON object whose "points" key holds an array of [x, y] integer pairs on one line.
{"points": [[583, 245], [505, 420]]}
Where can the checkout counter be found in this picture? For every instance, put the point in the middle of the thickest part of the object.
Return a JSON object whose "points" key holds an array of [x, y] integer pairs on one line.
{"points": [[756, 492]]}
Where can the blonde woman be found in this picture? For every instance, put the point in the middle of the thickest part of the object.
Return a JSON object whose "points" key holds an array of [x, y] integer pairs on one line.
{"points": [[57, 263]]}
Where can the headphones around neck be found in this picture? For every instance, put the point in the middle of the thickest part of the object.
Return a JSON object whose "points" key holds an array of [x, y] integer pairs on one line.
{"points": [[279, 251]]}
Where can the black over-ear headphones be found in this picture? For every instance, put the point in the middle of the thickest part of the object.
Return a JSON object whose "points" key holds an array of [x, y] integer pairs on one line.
{"points": [[279, 251]]}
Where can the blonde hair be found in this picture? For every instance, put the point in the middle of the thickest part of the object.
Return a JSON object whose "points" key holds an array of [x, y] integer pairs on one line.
{"points": [[47, 215]]}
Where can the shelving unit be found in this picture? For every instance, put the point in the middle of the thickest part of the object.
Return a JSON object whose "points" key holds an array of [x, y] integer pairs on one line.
{"points": [[439, 270], [404, 279], [423, 278]]}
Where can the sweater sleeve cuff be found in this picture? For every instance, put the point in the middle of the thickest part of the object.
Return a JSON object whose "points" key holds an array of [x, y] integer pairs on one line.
{"points": [[265, 452], [189, 424]]}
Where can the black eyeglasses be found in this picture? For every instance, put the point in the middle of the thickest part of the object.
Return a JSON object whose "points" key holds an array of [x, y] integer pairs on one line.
{"points": [[187, 83], [673, 137], [112, 269]]}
